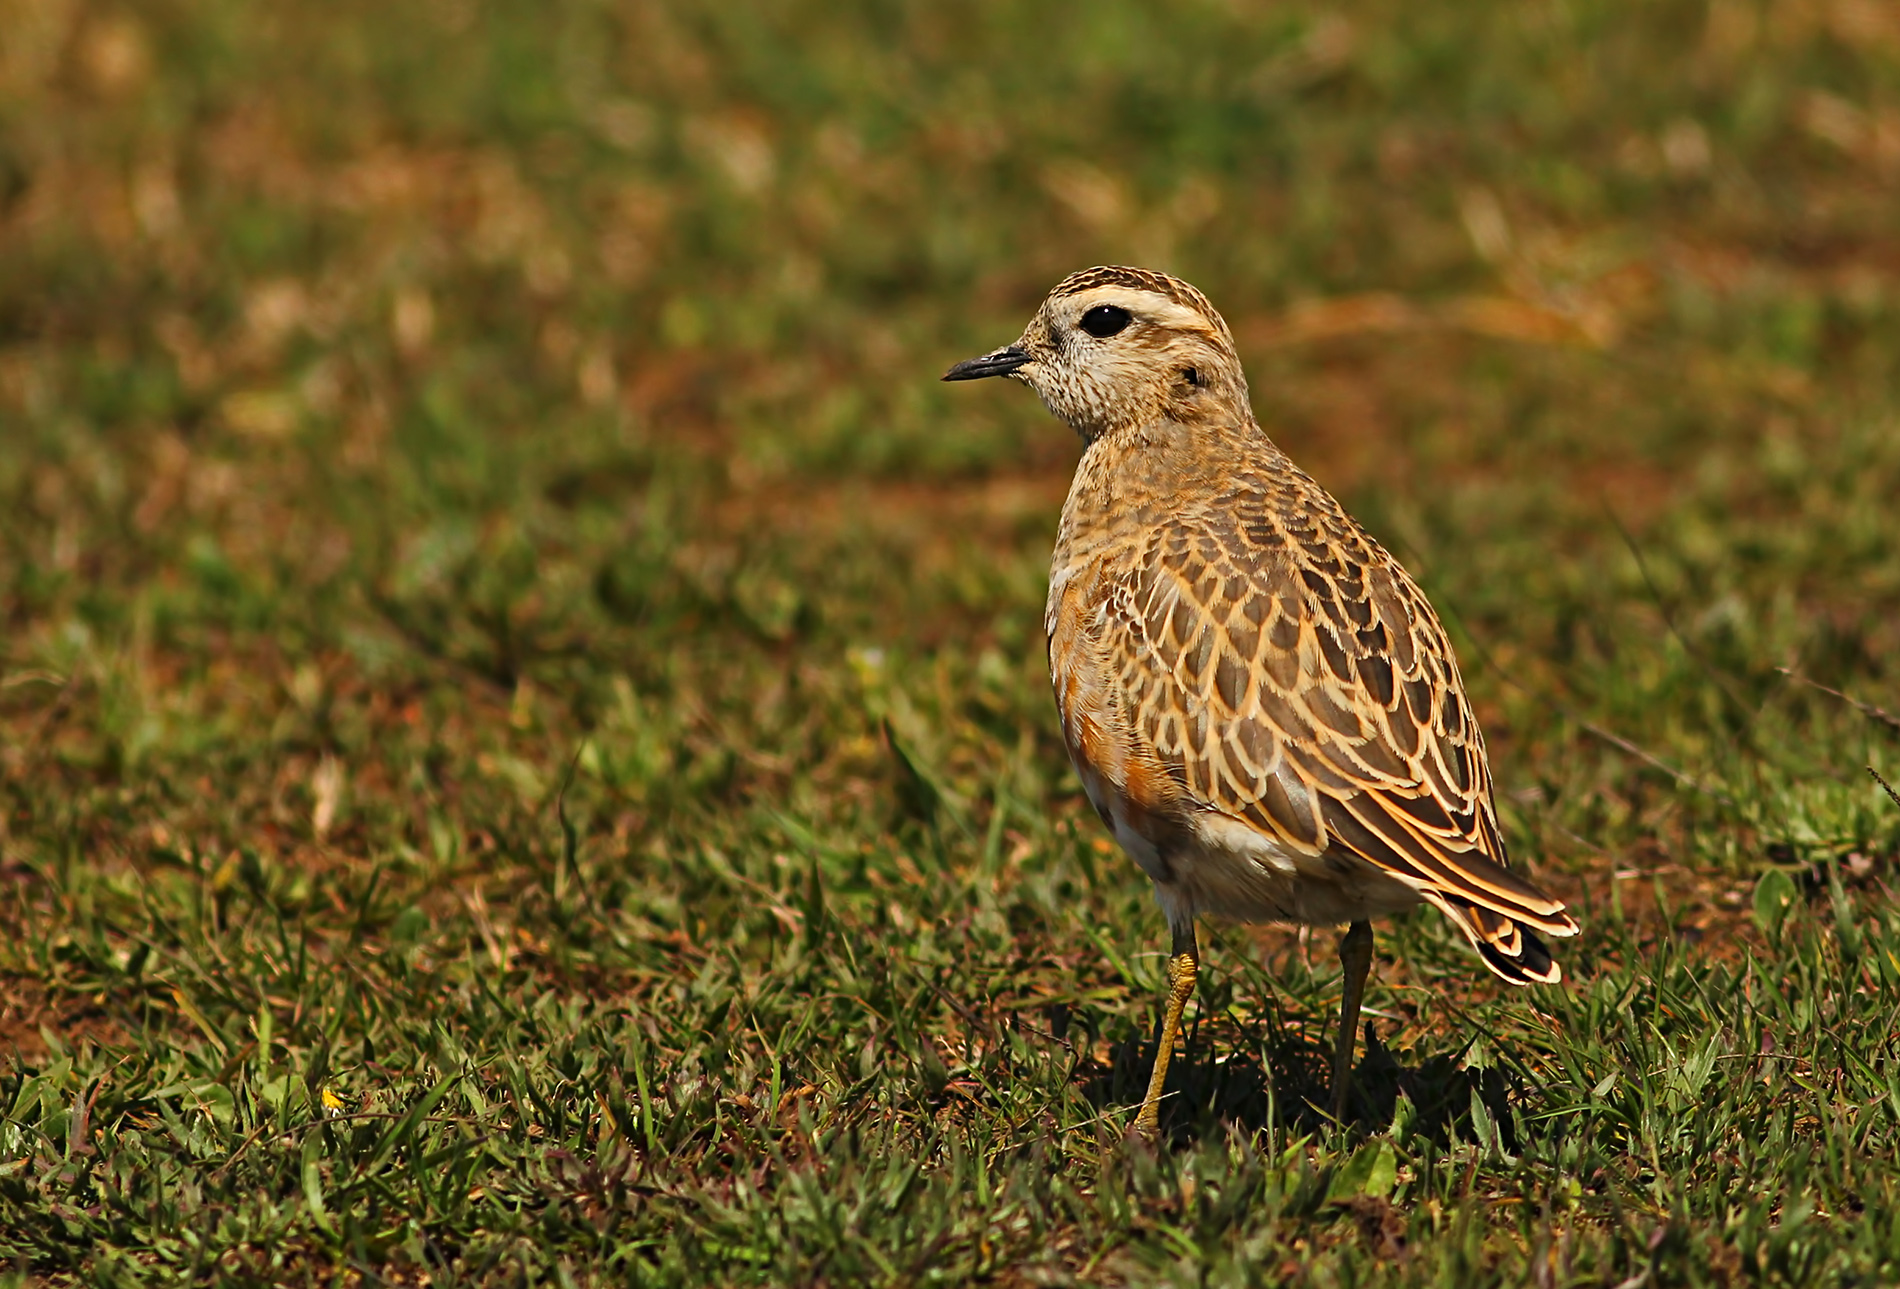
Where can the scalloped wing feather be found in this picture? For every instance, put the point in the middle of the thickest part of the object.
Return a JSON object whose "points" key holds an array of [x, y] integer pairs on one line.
{"points": [[1261, 656]]}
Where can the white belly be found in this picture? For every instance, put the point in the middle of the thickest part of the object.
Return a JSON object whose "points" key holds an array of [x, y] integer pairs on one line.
{"points": [[1236, 872], [1233, 870]]}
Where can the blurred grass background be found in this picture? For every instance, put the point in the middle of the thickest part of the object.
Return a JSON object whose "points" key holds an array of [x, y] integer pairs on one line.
{"points": [[525, 742]]}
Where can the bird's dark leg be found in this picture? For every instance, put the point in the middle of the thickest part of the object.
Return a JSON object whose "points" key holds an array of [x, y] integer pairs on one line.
{"points": [[1355, 960], [1184, 963]]}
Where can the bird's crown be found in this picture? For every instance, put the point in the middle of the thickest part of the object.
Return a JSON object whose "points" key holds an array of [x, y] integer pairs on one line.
{"points": [[1134, 279]]}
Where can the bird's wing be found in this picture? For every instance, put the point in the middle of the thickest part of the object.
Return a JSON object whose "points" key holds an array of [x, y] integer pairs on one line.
{"points": [[1283, 670]]}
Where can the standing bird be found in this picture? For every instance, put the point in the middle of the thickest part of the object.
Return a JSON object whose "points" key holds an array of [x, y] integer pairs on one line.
{"points": [[1260, 702]]}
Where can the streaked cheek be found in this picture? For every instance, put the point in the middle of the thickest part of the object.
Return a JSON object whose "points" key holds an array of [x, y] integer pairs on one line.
{"points": [[1085, 399]]}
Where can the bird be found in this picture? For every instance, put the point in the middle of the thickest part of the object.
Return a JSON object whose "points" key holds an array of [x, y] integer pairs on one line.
{"points": [[1261, 704]]}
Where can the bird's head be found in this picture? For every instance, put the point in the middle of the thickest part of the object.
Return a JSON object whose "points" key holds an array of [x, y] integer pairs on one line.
{"points": [[1115, 348]]}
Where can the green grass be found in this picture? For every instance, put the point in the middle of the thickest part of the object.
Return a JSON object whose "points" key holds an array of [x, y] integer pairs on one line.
{"points": [[524, 746]]}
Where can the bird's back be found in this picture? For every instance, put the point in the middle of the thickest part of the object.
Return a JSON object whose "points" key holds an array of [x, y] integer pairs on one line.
{"points": [[1237, 662]]}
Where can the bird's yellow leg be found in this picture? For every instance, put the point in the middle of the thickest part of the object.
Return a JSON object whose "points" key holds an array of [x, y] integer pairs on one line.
{"points": [[1355, 960], [1183, 965]]}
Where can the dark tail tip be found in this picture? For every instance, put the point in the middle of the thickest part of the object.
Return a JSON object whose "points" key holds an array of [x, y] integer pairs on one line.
{"points": [[1532, 964]]}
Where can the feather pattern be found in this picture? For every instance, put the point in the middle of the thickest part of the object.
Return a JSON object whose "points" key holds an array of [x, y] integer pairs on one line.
{"points": [[1259, 700]]}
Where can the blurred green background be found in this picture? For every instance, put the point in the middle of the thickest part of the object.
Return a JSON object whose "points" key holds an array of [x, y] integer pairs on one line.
{"points": [[504, 638]]}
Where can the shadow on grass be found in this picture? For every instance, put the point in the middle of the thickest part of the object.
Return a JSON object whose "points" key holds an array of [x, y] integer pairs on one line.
{"points": [[1214, 1084]]}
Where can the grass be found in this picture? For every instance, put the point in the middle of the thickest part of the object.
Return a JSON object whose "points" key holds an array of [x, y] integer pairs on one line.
{"points": [[524, 743]]}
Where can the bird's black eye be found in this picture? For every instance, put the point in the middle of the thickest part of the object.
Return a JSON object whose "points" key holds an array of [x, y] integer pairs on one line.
{"points": [[1104, 320]]}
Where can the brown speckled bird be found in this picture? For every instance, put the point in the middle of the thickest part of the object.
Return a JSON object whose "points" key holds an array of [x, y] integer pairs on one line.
{"points": [[1258, 699]]}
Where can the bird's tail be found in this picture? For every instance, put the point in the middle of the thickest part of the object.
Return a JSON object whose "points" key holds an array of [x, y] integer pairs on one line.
{"points": [[1509, 945]]}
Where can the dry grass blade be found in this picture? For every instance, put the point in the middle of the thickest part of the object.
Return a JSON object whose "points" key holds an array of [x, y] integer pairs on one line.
{"points": [[1885, 786], [1868, 710]]}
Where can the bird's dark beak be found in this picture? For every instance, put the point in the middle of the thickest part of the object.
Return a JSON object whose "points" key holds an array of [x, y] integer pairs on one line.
{"points": [[1000, 363]]}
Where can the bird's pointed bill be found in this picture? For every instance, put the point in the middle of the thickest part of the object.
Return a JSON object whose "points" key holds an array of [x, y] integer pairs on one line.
{"points": [[1001, 362]]}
